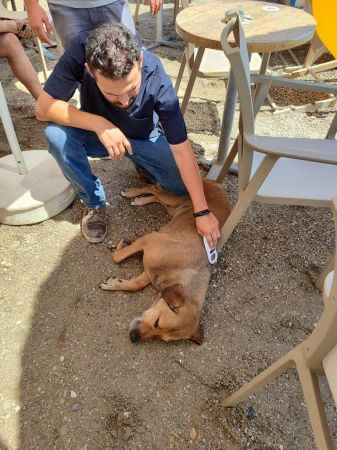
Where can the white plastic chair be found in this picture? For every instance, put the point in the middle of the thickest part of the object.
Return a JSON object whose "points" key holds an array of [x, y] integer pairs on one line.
{"points": [[297, 171], [32, 186]]}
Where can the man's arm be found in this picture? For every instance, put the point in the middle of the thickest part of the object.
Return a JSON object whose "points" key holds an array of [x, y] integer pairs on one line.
{"points": [[39, 20], [172, 121], [208, 225], [49, 109]]}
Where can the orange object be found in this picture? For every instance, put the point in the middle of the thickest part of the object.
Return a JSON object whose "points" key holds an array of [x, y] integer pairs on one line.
{"points": [[325, 13]]}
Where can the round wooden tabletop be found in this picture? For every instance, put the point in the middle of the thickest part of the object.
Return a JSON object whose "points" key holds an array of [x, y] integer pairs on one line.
{"points": [[268, 27]]}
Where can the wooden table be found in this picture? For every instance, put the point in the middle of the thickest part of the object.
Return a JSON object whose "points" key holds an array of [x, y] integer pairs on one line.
{"points": [[268, 27]]}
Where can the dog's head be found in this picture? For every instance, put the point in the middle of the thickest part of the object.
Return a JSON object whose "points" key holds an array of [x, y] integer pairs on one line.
{"points": [[172, 317]]}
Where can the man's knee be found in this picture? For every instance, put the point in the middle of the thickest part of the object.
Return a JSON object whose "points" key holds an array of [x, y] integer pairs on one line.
{"points": [[56, 137], [62, 140]]}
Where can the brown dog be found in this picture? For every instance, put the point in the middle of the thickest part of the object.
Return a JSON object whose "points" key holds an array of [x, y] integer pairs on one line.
{"points": [[175, 263]]}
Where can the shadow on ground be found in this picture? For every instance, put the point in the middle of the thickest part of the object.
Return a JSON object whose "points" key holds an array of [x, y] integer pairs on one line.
{"points": [[85, 386]]}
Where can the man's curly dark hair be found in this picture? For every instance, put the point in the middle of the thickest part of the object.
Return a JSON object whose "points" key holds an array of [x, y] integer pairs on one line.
{"points": [[112, 50]]}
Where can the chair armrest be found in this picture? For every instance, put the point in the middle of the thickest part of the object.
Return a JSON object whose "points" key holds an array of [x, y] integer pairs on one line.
{"points": [[316, 150], [295, 84]]}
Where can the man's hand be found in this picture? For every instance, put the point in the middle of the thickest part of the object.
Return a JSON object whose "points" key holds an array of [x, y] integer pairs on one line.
{"points": [[114, 141], [208, 226], [155, 5], [39, 21]]}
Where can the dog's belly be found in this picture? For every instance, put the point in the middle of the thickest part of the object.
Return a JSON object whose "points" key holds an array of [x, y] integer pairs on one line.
{"points": [[170, 260]]}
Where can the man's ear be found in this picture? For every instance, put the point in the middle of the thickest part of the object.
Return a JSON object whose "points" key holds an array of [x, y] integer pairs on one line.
{"points": [[174, 296], [89, 70], [141, 59], [198, 336]]}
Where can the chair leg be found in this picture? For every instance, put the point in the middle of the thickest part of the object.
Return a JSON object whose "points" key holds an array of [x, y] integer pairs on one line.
{"points": [[310, 387], [218, 172], [227, 118], [261, 380], [43, 60], [246, 197], [136, 14], [333, 129], [8, 126]]}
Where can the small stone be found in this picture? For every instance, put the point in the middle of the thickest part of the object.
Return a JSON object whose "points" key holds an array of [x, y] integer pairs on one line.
{"points": [[251, 413], [127, 435], [193, 434], [6, 264], [73, 394], [62, 358], [76, 407], [63, 430]]}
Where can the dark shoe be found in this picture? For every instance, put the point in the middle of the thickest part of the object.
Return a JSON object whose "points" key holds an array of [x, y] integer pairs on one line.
{"points": [[94, 225]]}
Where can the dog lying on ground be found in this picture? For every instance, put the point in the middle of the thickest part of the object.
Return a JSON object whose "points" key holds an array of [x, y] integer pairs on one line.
{"points": [[175, 263]]}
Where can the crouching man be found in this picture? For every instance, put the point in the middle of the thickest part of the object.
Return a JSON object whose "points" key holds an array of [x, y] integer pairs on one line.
{"points": [[128, 107]]}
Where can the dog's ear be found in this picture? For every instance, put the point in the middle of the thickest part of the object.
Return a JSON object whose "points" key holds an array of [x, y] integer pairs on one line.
{"points": [[174, 296], [198, 336]]}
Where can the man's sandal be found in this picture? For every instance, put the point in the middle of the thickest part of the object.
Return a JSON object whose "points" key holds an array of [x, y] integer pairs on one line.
{"points": [[24, 30]]}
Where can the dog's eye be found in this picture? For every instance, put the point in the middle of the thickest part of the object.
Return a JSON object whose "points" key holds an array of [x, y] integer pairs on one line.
{"points": [[156, 324]]}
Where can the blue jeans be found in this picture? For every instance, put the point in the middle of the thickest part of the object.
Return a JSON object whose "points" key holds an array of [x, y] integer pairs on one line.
{"points": [[72, 146], [69, 22]]}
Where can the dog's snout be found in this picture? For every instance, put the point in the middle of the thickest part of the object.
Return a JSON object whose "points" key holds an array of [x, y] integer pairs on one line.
{"points": [[134, 335]]}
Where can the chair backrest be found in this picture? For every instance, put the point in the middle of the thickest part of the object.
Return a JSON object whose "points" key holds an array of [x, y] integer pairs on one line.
{"points": [[324, 338], [234, 45], [325, 13]]}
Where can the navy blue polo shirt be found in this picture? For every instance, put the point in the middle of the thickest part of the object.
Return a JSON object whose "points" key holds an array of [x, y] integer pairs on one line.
{"points": [[156, 101]]}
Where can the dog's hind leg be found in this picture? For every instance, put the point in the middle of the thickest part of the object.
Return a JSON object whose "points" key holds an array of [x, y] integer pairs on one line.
{"points": [[142, 201], [136, 192], [123, 252], [133, 285]]}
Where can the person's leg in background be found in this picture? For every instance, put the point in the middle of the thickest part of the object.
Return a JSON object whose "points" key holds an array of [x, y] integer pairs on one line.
{"points": [[71, 148], [117, 11], [11, 48], [69, 22]]}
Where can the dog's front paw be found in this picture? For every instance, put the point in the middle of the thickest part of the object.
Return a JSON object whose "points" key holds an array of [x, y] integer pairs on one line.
{"points": [[112, 284], [121, 244]]}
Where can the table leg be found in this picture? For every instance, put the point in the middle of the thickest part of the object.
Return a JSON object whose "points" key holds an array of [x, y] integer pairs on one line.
{"points": [[226, 128], [180, 73], [190, 84], [262, 89], [226, 156]]}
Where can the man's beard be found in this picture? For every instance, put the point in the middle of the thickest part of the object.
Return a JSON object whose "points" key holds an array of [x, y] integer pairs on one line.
{"points": [[120, 106]]}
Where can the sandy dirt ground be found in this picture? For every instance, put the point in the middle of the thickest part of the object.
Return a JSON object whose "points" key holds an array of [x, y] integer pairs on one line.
{"points": [[70, 379]]}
